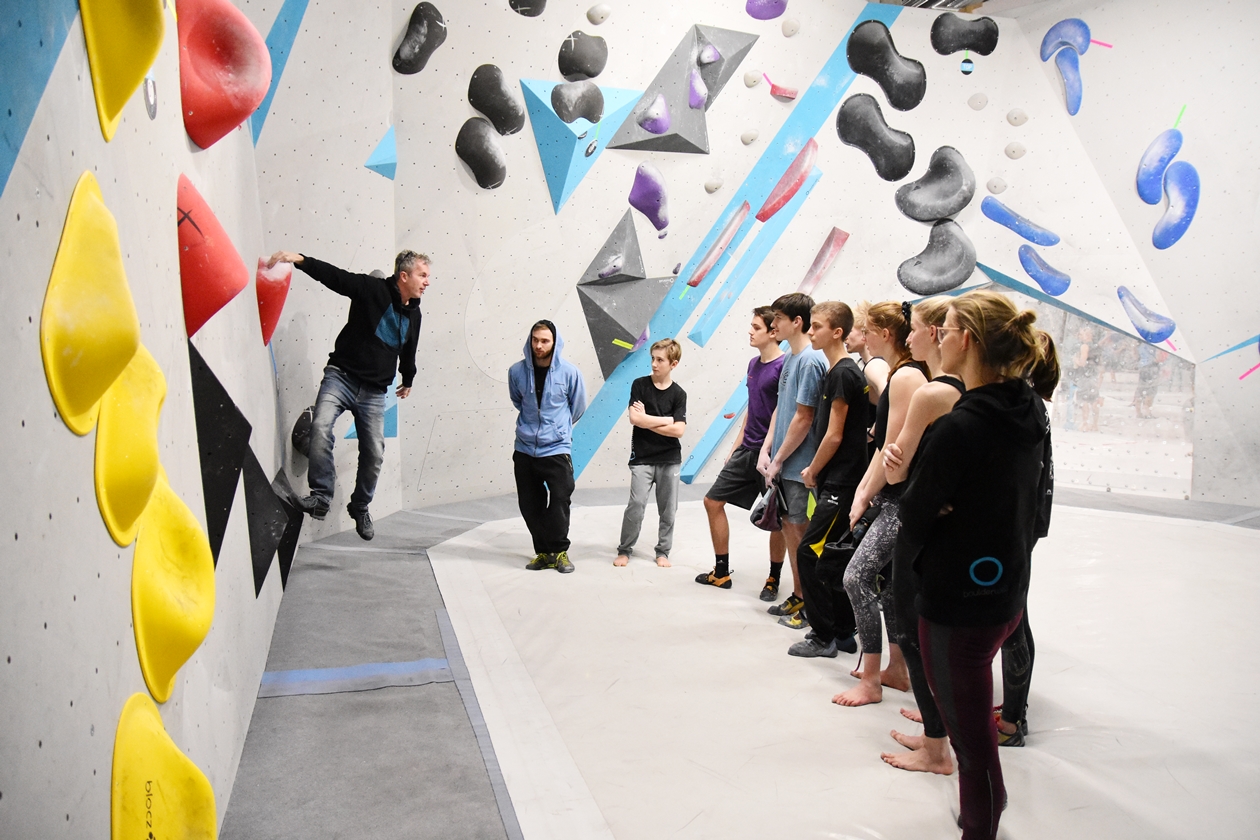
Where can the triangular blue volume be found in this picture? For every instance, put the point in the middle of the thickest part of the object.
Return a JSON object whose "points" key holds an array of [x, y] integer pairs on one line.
{"points": [[384, 158], [569, 150]]}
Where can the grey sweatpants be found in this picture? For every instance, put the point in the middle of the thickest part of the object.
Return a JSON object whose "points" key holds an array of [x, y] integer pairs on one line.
{"points": [[642, 477]]}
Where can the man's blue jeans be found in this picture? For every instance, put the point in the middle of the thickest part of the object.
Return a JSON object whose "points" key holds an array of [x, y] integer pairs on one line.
{"points": [[340, 392]]}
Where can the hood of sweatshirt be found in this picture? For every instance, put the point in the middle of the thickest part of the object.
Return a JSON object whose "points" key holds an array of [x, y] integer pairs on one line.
{"points": [[555, 353], [1011, 408]]}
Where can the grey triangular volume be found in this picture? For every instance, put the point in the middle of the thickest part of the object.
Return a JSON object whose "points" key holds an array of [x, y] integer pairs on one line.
{"points": [[688, 129], [620, 260], [604, 331], [733, 47], [621, 312]]}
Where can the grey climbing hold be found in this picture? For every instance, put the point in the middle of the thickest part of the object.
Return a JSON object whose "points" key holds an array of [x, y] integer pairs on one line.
{"points": [[872, 53], [752, 78], [950, 33], [947, 261], [944, 190], [996, 185], [528, 8], [860, 124], [1016, 117], [582, 56], [978, 101], [150, 96], [571, 100], [478, 146], [426, 31], [489, 93], [712, 185], [598, 13], [790, 27]]}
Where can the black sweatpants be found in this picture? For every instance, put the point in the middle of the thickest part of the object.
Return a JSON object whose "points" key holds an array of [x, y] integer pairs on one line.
{"points": [[543, 489], [826, 606]]}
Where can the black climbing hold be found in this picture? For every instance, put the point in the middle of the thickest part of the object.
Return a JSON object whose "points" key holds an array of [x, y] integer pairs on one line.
{"points": [[222, 442], [871, 52], [590, 150], [425, 33], [582, 56], [489, 93], [950, 33], [478, 146], [944, 264], [860, 123], [300, 437], [528, 8], [578, 99], [945, 189]]}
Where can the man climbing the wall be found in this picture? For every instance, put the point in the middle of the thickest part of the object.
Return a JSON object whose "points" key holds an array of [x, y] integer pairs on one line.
{"points": [[379, 337], [550, 395]]}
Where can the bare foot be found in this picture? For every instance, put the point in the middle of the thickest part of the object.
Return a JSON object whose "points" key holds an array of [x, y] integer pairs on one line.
{"points": [[910, 742], [663, 562], [920, 761], [621, 560], [861, 694], [912, 714], [898, 678], [856, 673], [1007, 728]]}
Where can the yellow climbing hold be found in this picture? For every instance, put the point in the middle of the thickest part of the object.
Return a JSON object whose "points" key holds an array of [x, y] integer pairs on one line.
{"points": [[127, 446], [88, 330], [123, 38], [156, 790], [172, 588]]}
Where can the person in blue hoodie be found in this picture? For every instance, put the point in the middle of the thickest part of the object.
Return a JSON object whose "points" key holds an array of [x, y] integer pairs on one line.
{"points": [[550, 395]]}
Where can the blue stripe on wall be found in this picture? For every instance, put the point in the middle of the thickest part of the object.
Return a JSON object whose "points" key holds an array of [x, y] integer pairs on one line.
{"points": [[713, 435], [1255, 339], [279, 43], [812, 110], [1036, 294], [32, 33]]}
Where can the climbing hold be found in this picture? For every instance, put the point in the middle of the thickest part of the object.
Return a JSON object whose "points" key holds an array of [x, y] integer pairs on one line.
{"points": [[996, 185], [426, 31], [1072, 32], [944, 190], [950, 33], [647, 195], [708, 55], [88, 329], [528, 8], [571, 100], [582, 56], [123, 38], [872, 53], [271, 287], [598, 13], [791, 26], [712, 185], [748, 137], [478, 147], [752, 78], [655, 117], [860, 124], [1051, 280], [791, 181], [1069, 64], [489, 93], [1008, 218], [1150, 174], [1150, 325], [787, 94], [677, 268], [977, 101], [590, 150], [224, 68], [172, 588], [765, 9], [155, 790], [127, 462], [150, 96], [947, 261], [1016, 117], [1181, 183], [697, 92], [719, 246], [211, 272], [615, 264], [1015, 150], [823, 260]]}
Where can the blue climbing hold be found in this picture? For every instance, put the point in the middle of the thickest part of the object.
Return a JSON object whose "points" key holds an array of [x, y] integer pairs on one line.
{"points": [[1150, 325], [1008, 218], [1069, 64], [1181, 183], [1072, 32], [1050, 279], [384, 158], [1150, 174]]}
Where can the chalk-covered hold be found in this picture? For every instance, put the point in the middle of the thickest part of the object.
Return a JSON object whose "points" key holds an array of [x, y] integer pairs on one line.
{"points": [[996, 185], [571, 100], [598, 13], [489, 93], [790, 27], [978, 101], [752, 78], [582, 56], [712, 185], [478, 146], [748, 137]]}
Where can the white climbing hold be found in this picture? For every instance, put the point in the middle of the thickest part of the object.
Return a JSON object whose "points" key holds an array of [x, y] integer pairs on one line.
{"points": [[1016, 117], [996, 185], [713, 185], [598, 13], [790, 27], [748, 137], [977, 101], [752, 78], [1015, 150]]}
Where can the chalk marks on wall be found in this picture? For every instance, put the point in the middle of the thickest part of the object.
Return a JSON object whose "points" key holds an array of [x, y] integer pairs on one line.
{"points": [[860, 124], [224, 69], [426, 31], [944, 190], [489, 93], [872, 53], [1152, 326], [1067, 41]]}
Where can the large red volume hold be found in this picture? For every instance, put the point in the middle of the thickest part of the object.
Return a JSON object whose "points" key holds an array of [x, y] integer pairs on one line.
{"points": [[211, 271], [822, 263], [272, 287], [224, 68], [791, 181]]}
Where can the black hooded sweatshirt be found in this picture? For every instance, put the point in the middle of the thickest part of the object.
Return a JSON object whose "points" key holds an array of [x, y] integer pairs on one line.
{"points": [[381, 331], [988, 460]]}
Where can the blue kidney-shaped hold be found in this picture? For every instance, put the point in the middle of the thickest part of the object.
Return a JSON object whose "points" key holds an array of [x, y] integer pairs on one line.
{"points": [[1051, 280], [1181, 185], [1150, 325], [1150, 174], [1072, 32]]}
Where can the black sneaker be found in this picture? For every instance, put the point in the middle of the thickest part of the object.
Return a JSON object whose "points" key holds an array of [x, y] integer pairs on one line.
{"points": [[314, 506], [561, 562], [848, 645], [770, 591], [711, 579], [362, 523], [541, 561], [811, 647], [790, 606]]}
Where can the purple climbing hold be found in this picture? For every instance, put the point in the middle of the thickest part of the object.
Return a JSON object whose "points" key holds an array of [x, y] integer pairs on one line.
{"points": [[648, 195], [708, 55], [677, 269], [655, 117], [765, 9], [699, 92], [643, 339]]}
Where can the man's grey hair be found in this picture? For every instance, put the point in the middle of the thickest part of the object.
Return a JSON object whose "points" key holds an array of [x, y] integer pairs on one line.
{"points": [[406, 260]]}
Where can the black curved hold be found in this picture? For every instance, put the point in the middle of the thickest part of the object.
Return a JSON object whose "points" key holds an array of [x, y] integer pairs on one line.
{"points": [[860, 123], [944, 190], [944, 264], [528, 8], [426, 31], [489, 93], [950, 33], [571, 100], [582, 56], [478, 146], [871, 52]]}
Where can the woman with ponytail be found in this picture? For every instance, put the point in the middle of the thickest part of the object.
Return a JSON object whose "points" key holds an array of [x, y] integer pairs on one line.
{"points": [[969, 517]]}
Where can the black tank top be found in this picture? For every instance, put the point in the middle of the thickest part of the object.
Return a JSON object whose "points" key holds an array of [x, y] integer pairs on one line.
{"points": [[944, 379], [880, 432]]}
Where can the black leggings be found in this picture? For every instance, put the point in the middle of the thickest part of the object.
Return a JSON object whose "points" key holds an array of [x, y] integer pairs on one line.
{"points": [[905, 587]]}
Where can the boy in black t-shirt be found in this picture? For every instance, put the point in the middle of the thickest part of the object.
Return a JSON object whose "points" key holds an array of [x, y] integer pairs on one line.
{"points": [[658, 412], [833, 476]]}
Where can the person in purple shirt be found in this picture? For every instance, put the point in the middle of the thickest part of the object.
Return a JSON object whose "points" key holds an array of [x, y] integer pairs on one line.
{"points": [[739, 482]]}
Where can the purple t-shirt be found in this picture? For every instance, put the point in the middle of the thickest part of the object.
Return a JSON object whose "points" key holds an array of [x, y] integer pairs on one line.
{"points": [[763, 396]]}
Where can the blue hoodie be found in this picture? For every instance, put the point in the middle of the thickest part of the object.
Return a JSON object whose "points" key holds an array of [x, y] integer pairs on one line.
{"points": [[548, 430]]}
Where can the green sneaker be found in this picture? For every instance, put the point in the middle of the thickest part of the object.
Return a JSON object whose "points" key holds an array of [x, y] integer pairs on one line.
{"points": [[561, 562], [541, 561]]}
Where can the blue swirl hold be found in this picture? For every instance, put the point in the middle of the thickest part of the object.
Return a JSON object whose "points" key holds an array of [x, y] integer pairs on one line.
{"points": [[1150, 325], [1072, 32], [1150, 174], [1050, 279], [1069, 64], [1008, 218], [1181, 183]]}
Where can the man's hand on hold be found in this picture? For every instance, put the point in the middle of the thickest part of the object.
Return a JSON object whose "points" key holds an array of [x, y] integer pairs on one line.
{"points": [[284, 256]]}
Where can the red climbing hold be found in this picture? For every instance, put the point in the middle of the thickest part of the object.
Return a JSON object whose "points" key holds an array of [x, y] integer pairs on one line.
{"points": [[272, 287], [211, 271], [224, 68], [791, 181]]}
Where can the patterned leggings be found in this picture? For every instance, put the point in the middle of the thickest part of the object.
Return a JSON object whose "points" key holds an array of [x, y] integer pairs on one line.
{"points": [[874, 553]]}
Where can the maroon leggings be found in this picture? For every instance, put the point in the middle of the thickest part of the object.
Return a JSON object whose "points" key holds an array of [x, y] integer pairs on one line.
{"points": [[959, 666]]}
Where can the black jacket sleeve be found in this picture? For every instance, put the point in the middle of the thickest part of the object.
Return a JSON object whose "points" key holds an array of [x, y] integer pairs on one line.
{"points": [[339, 280], [407, 356], [938, 466], [1045, 490]]}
